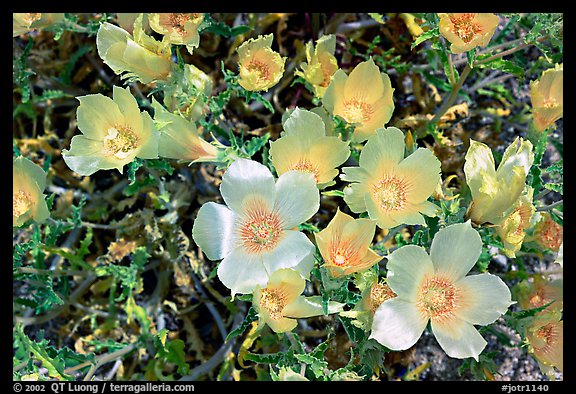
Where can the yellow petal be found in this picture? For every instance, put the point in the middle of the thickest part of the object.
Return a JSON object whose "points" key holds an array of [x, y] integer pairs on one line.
{"points": [[364, 83]]}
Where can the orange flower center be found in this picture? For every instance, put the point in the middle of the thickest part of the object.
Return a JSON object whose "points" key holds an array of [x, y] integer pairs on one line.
{"points": [[550, 102], [437, 298], [551, 234], [176, 21], [357, 111], [546, 334], [390, 193], [273, 301], [464, 27], [120, 141], [260, 69], [306, 166], [260, 231], [379, 293], [21, 203]]}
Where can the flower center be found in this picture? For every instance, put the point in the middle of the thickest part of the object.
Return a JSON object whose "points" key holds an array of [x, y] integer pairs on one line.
{"points": [[390, 193], [274, 301], [339, 259], [546, 333], [261, 231], [464, 27], [551, 235], [437, 298], [305, 166], [379, 293], [21, 203], [357, 111], [120, 141], [550, 102], [178, 20], [261, 69]]}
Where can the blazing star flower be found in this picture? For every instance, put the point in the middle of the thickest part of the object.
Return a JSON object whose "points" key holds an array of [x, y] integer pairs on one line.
{"points": [[547, 233], [28, 184], [344, 245], [539, 292], [547, 95], [467, 30], [321, 64], [363, 98], [253, 233], [137, 56], [179, 138], [512, 229], [304, 146], [435, 288], [545, 336], [188, 91], [260, 66], [393, 189], [180, 28], [114, 133], [23, 23], [279, 304], [494, 192]]}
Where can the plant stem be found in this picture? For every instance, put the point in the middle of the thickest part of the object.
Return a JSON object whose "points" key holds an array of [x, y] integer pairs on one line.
{"points": [[549, 207]]}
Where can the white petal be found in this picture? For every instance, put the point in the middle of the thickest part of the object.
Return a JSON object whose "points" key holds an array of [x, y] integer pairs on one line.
{"points": [[303, 122], [384, 150], [482, 298], [297, 198], [291, 250], [213, 230], [398, 324], [455, 249], [459, 339], [245, 180], [407, 267], [241, 272]]}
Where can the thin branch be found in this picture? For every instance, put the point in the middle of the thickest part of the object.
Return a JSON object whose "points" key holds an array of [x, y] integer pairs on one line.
{"points": [[550, 206]]}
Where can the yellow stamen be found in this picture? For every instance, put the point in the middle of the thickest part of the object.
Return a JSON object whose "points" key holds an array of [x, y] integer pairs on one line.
{"points": [[260, 231], [120, 141], [306, 166], [464, 27], [21, 203], [437, 298], [273, 301], [390, 193], [261, 69], [357, 111], [379, 293]]}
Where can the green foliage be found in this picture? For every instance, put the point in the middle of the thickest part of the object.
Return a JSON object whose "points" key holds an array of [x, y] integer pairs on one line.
{"points": [[21, 73], [171, 351], [251, 316], [220, 28]]}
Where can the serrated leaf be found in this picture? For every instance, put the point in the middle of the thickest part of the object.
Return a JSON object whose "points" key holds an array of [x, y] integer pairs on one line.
{"points": [[220, 28], [427, 35], [251, 316], [501, 65], [555, 187]]}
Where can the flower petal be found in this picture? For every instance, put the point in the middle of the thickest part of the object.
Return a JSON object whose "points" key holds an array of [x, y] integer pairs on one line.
{"points": [[398, 324], [213, 230], [355, 197], [459, 339], [335, 91], [384, 150], [246, 180], [421, 171], [149, 138], [290, 251], [310, 306], [303, 122], [96, 114], [297, 198], [86, 156], [455, 250], [407, 266], [128, 107], [364, 83], [241, 272], [482, 298]]}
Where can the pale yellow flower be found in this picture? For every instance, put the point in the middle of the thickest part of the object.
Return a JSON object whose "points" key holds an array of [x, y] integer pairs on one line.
{"points": [[286, 374], [304, 146], [495, 191], [411, 24], [540, 291], [465, 31], [434, 288], [179, 28], [393, 189], [114, 132], [512, 230], [137, 56], [363, 98], [547, 233], [545, 336], [547, 95], [344, 245], [280, 302], [260, 66], [321, 64], [188, 91], [254, 234], [28, 184], [179, 138], [126, 20], [23, 23]]}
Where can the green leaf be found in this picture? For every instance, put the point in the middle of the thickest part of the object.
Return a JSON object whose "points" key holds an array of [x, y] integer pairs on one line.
{"points": [[251, 316], [500, 64], [427, 35], [171, 351], [254, 144], [132, 168], [269, 358], [160, 164], [317, 365], [377, 17], [76, 218], [555, 187], [333, 193], [220, 28]]}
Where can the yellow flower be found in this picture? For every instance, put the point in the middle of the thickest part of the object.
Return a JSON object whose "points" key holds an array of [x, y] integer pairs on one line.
{"points": [[114, 133], [28, 183], [547, 233], [545, 335], [23, 23], [179, 138], [363, 98], [435, 288], [260, 66], [393, 189], [304, 146], [344, 245], [279, 303], [126, 20], [137, 56], [286, 374], [539, 292], [467, 30], [188, 91], [254, 233], [547, 95], [411, 24], [511, 230], [180, 28], [495, 191], [321, 64]]}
